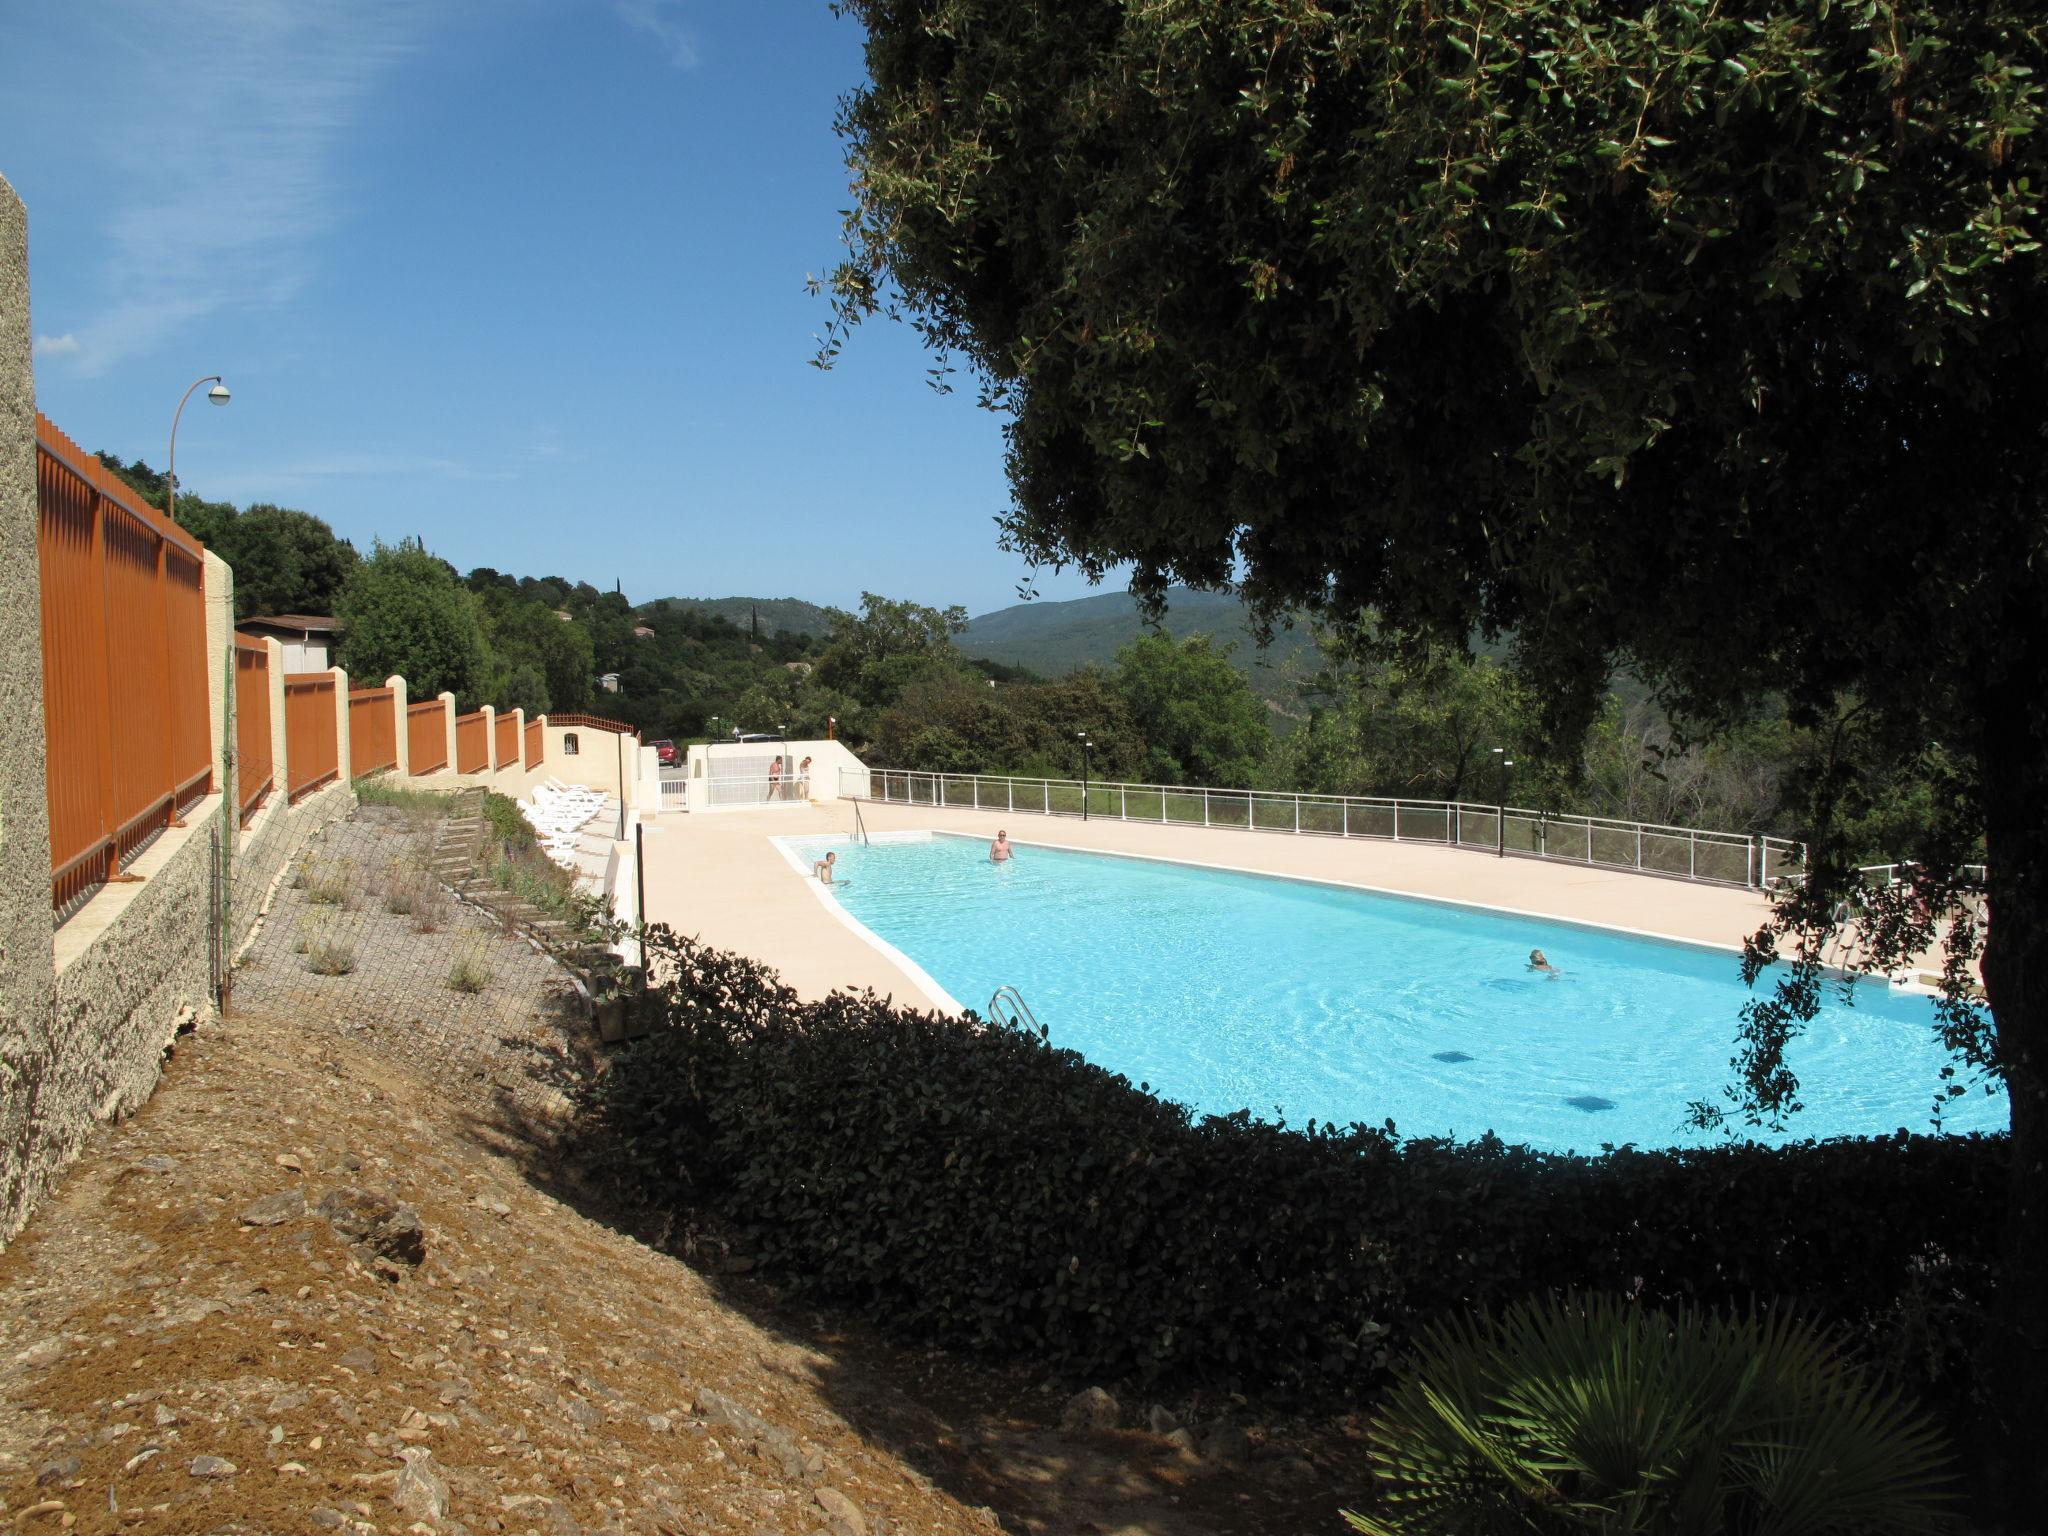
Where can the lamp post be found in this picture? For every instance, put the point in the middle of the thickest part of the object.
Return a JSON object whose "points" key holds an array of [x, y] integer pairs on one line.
{"points": [[1500, 811], [1087, 747], [219, 396], [225, 837]]}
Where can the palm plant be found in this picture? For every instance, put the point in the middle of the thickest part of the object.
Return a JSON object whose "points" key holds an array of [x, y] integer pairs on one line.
{"points": [[1587, 1415]]}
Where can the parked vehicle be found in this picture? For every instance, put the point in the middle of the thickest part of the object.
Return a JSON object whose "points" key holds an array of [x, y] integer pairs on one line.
{"points": [[665, 754]]}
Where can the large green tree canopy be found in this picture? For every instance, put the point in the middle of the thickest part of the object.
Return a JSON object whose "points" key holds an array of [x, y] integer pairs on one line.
{"points": [[1705, 337], [404, 611]]}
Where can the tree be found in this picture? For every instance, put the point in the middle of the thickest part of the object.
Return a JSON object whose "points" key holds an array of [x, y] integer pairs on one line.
{"points": [[875, 655], [1198, 715], [404, 612], [1422, 728], [285, 561], [528, 637], [1707, 339]]}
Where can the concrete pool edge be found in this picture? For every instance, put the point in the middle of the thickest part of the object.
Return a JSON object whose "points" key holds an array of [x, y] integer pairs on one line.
{"points": [[912, 971]]}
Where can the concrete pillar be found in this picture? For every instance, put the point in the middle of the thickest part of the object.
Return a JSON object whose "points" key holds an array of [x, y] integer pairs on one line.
{"points": [[490, 744], [448, 725], [519, 762], [217, 581], [341, 753], [27, 928], [401, 719], [280, 767]]}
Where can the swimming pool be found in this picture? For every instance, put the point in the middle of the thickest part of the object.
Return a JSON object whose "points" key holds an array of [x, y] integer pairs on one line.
{"points": [[1227, 991]]}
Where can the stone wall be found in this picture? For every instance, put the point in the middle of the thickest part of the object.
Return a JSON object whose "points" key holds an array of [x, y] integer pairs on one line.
{"points": [[26, 1100]]}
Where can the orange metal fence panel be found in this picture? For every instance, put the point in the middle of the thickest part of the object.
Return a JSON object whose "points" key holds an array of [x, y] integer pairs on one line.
{"points": [[125, 722], [311, 749], [505, 753], [253, 767], [426, 737], [372, 730], [185, 649], [536, 746], [472, 743]]}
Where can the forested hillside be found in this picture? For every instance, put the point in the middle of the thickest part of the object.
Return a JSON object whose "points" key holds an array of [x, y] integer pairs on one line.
{"points": [[1051, 638]]}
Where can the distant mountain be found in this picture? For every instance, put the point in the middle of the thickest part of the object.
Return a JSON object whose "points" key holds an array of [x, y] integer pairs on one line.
{"points": [[790, 613], [1054, 638]]}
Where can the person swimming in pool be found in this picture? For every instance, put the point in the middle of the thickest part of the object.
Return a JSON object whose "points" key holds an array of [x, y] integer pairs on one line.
{"points": [[823, 868], [1538, 962], [999, 850]]}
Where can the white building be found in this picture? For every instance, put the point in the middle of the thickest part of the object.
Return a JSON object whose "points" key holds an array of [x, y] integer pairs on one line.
{"points": [[307, 638]]}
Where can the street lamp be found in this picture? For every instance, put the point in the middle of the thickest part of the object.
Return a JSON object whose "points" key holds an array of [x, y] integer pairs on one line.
{"points": [[1500, 809], [219, 396], [1087, 746]]}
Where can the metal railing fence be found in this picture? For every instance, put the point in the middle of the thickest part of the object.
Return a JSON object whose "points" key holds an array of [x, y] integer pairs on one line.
{"points": [[582, 722], [472, 743], [312, 745], [125, 718], [426, 737], [780, 789], [1684, 853], [372, 730], [254, 769]]}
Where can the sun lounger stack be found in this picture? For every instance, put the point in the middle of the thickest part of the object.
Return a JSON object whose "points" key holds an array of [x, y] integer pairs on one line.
{"points": [[559, 813]]}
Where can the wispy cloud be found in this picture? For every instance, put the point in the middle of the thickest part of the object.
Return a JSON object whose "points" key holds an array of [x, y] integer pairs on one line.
{"points": [[662, 20], [268, 481], [220, 202]]}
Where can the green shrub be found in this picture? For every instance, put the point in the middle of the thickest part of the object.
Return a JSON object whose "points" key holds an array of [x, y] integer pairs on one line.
{"points": [[979, 1187], [1602, 1416], [471, 970], [329, 954], [501, 814], [432, 906], [328, 882]]}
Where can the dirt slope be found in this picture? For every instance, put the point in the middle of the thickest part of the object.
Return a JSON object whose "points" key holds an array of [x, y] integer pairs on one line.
{"points": [[549, 1374]]}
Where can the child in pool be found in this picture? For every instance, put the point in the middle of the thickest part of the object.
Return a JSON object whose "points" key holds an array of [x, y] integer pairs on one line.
{"points": [[1537, 962]]}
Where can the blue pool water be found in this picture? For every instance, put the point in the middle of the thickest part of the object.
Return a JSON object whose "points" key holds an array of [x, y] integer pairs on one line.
{"points": [[1227, 991]]}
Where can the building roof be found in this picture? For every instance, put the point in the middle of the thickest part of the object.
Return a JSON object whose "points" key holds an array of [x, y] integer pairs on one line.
{"points": [[298, 623]]}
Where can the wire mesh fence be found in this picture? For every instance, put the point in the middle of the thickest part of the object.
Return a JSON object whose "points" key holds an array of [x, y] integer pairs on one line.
{"points": [[391, 929]]}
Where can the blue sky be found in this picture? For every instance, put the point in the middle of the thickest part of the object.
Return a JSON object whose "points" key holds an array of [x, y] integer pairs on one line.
{"points": [[524, 278]]}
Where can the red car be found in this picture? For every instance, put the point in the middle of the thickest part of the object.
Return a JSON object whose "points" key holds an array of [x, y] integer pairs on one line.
{"points": [[665, 754]]}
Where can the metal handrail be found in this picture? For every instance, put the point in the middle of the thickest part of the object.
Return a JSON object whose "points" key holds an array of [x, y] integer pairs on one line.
{"points": [[1021, 1016], [1686, 853]]}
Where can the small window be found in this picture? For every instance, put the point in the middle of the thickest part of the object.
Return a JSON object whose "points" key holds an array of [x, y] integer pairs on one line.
{"points": [[569, 747]]}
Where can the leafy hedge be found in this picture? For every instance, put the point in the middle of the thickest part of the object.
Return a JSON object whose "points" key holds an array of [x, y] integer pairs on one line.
{"points": [[976, 1186]]}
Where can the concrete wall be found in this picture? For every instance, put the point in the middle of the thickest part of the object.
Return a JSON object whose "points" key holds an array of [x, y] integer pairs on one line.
{"points": [[30, 1097], [597, 762], [828, 758]]}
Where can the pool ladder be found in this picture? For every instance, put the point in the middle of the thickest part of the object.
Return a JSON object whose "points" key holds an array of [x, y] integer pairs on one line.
{"points": [[860, 825], [1007, 1006]]}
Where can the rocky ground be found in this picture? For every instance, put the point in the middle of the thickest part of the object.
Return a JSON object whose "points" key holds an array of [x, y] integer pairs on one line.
{"points": [[310, 1287]]}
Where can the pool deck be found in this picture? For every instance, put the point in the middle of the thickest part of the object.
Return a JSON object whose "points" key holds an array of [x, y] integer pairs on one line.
{"points": [[719, 877]]}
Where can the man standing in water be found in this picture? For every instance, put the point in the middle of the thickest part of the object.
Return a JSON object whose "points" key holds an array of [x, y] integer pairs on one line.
{"points": [[999, 850]]}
